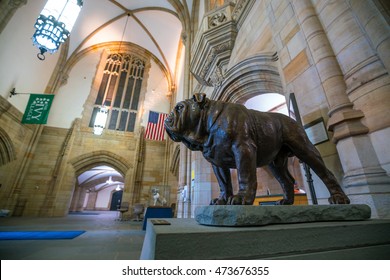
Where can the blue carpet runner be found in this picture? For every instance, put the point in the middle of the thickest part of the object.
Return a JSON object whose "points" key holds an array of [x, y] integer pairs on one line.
{"points": [[39, 235]]}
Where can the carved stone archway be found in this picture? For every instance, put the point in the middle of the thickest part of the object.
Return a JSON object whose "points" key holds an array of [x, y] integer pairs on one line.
{"points": [[87, 161], [253, 76]]}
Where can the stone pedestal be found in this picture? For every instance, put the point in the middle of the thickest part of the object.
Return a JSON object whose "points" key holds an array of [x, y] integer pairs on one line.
{"points": [[185, 239], [247, 215]]}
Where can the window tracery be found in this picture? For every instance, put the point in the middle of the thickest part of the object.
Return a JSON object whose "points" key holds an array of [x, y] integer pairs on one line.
{"points": [[120, 90]]}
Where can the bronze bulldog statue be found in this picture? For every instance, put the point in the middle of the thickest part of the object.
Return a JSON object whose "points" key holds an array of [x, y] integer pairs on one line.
{"points": [[232, 136]]}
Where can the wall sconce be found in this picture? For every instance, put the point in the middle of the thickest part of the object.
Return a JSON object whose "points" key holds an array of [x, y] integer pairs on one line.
{"points": [[54, 24], [100, 120]]}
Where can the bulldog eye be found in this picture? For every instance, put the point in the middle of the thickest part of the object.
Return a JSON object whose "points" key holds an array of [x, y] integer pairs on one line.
{"points": [[179, 108]]}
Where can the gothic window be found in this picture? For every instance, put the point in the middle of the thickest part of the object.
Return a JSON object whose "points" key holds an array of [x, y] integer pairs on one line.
{"points": [[120, 90]]}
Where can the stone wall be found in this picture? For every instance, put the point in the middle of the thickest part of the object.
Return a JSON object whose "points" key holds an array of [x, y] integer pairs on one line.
{"points": [[39, 181], [15, 140], [40, 164]]}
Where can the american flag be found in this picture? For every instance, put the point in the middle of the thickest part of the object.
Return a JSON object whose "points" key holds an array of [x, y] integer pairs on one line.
{"points": [[155, 128]]}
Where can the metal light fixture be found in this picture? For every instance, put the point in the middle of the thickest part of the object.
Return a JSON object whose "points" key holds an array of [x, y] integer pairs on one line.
{"points": [[109, 181], [100, 120], [54, 24]]}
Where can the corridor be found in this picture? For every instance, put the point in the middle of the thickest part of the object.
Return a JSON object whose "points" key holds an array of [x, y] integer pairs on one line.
{"points": [[105, 238]]}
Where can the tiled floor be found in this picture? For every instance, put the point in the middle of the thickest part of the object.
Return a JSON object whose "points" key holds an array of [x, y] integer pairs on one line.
{"points": [[105, 238]]}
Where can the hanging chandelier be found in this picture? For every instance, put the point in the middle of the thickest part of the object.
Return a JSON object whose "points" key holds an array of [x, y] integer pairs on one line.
{"points": [[54, 24]]}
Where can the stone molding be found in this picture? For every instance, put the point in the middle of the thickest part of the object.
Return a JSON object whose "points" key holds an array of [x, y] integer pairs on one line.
{"points": [[248, 78], [241, 11], [215, 41], [84, 162]]}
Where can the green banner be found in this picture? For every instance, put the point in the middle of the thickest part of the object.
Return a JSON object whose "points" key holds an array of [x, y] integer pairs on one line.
{"points": [[38, 108]]}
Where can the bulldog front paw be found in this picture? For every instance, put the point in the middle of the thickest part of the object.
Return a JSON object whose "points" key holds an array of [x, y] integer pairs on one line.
{"points": [[218, 201], [285, 202], [235, 200], [239, 200], [339, 198]]}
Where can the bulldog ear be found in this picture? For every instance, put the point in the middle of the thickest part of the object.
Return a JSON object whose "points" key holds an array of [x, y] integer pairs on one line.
{"points": [[199, 98]]}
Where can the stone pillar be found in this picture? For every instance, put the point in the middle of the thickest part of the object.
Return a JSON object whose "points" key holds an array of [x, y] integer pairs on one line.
{"points": [[75, 199], [182, 179], [363, 178], [179, 208], [81, 199], [344, 121], [205, 187], [366, 34], [184, 207], [376, 28], [91, 202], [187, 202]]}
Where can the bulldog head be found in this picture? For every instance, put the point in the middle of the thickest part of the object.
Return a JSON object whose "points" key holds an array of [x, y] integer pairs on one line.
{"points": [[186, 121]]}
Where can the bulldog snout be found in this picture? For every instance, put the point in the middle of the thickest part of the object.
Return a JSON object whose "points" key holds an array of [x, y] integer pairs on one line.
{"points": [[168, 119]]}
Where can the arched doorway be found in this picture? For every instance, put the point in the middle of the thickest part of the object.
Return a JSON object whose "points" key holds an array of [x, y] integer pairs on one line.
{"points": [[116, 200], [98, 175], [99, 188]]}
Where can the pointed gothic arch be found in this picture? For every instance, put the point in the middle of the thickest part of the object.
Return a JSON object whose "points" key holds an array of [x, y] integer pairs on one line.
{"points": [[87, 161], [7, 150], [252, 76]]}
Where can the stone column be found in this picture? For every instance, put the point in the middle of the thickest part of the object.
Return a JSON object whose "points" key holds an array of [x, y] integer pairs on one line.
{"points": [[187, 202], [205, 186], [81, 199], [91, 202], [344, 121], [75, 199], [363, 178], [185, 153], [182, 179], [376, 28], [365, 33], [179, 211]]}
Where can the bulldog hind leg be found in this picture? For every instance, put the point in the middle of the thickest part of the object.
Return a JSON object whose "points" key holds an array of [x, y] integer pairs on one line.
{"points": [[279, 168], [306, 152]]}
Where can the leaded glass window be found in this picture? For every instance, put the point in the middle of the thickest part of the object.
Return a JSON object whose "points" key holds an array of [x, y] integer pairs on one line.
{"points": [[120, 90]]}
